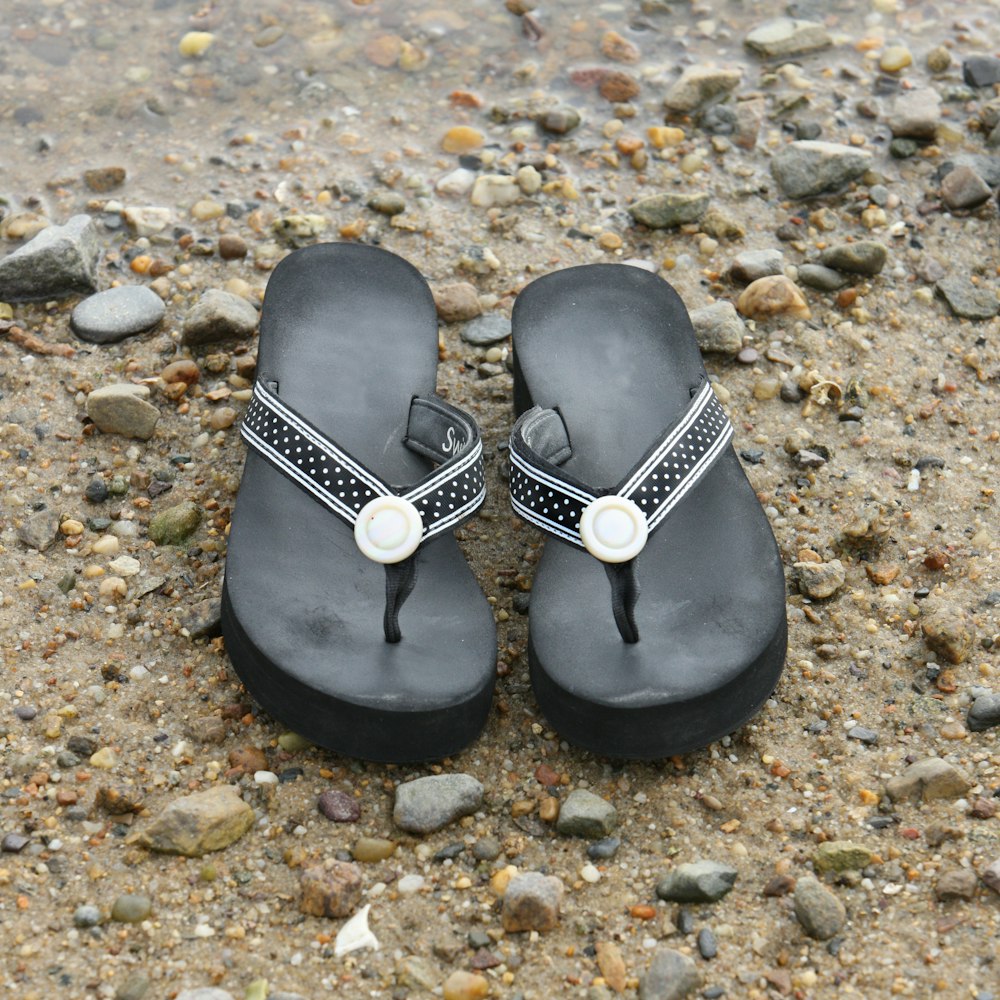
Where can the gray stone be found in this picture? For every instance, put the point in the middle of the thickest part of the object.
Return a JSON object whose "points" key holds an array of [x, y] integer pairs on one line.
{"points": [[984, 713], [175, 524], [117, 313], [826, 279], [991, 876], [204, 618], [486, 330], [967, 300], [697, 882], [123, 409], [59, 261], [698, 85], [861, 257], [753, 264], [963, 188], [915, 114], [718, 328], [135, 987], [40, 530], [428, 804], [958, 883], [531, 902], [671, 976], [820, 580], [931, 778], [587, 815], [218, 315], [559, 120], [131, 908], [205, 993], [808, 168], [668, 210], [387, 203], [786, 36], [981, 71], [818, 910]]}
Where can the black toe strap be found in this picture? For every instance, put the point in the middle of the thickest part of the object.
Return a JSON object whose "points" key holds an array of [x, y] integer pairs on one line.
{"points": [[444, 498], [624, 595]]}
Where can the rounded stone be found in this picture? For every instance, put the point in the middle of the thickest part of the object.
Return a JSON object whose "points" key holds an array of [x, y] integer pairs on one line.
{"points": [[113, 315], [339, 806], [86, 916], [131, 908]]}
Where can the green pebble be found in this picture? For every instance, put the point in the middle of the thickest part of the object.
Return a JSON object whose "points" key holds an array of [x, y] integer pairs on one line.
{"points": [[208, 873], [373, 849], [118, 486], [173, 525], [67, 583], [387, 203], [131, 908], [841, 856], [903, 149], [292, 742], [257, 990]]}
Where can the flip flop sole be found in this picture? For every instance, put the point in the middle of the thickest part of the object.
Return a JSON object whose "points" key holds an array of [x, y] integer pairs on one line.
{"points": [[349, 337], [612, 347]]}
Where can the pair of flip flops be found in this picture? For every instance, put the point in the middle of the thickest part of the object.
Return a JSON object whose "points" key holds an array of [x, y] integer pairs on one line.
{"points": [[349, 611]]}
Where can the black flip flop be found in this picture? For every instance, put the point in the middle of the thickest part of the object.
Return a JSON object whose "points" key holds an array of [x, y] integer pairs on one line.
{"points": [[622, 452], [326, 544]]}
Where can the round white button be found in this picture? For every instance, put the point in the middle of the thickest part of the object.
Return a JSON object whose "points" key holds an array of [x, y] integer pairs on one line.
{"points": [[613, 529], [388, 529]]}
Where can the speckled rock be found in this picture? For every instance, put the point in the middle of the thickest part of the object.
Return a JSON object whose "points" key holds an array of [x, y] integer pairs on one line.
{"points": [[339, 806], [123, 409], [428, 804], [718, 328], [698, 85], [785, 36], [841, 856], [818, 910], [957, 883], [753, 264], [199, 823], [113, 315], [668, 210], [808, 168], [332, 891], [671, 976], [58, 261], [928, 779], [948, 631], [820, 580], [531, 902], [861, 257], [457, 302], [697, 882], [173, 525], [218, 316], [38, 531], [584, 814]]}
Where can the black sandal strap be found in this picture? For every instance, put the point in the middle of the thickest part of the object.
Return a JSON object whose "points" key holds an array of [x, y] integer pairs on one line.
{"points": [[555, 501], [443, 499]]}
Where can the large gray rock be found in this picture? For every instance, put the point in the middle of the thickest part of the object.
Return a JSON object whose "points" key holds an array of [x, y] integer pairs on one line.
{"points": [[818, 910], [485, 330], [860, 257], [587, 815], [808, 168], [39, 530], [698, 85], [428, 804], [697, 882], [117, 313], [718, 328], [668, 210], [219, 315], [59, 261], [931, 778], [984, 713], [786, 36], [671, 976], [967, 300], [123, 409], [915, 114]]}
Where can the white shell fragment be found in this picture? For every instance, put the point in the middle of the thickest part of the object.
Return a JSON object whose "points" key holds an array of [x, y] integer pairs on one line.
{"points": [[355, 934]]}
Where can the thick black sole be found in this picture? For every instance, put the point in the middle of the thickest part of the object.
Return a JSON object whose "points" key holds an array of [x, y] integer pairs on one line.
{"points": [[346, 728]]}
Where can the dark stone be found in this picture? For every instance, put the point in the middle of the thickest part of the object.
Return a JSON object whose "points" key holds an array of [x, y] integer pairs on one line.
{"points": [[604, 850], [863, 735], [981, 71], [707, 945], [339, 806], [96, 491], [14, 843], [26, 712]]}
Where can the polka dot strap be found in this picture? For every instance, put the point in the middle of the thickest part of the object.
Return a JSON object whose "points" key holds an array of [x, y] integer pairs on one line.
{"points": [[555, 501], [445, 497]]}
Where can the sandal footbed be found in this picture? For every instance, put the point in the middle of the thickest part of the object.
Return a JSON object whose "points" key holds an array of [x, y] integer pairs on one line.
{"points": [[612, 347], [349, 334]]}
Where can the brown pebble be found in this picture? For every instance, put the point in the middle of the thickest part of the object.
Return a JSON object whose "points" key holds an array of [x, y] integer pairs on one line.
{"points": [[779, 885], [331, 892], [936, 559], [619, 87], [339, 806], [546, 776], [184, 370], [548, 810], [846, 297], [104, 179], [773, 295], [247, 760], [232, 247], [221, 418], [983, 808]]}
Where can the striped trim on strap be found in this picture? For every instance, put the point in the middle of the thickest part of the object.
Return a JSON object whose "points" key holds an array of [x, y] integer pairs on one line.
{"points": [[554, 501], [444, 497]]}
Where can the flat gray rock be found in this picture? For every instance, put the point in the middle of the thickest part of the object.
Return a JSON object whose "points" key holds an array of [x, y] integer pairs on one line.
{"points": [[967, 300], [59, 261], [585, 814], [218, 315], [807, 168], [786, 36], [428, 804], [817, 909], [826, 279], [984, 713], [753, 264], [671, 976], [699, 85], [861, 257], [39, 531], [485, 330], [697, 882], [113, 315], [915, 114], [123, 409], [667, 210]]}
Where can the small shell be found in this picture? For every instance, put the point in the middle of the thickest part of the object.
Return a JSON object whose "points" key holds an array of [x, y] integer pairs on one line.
{"points": [[355, 934]]}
